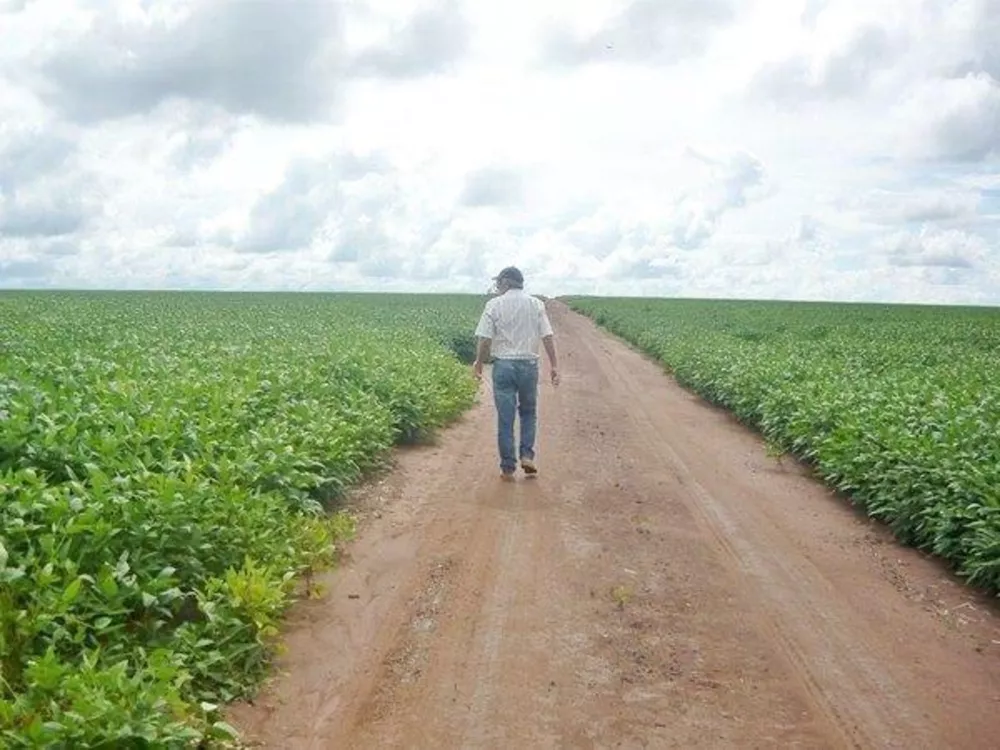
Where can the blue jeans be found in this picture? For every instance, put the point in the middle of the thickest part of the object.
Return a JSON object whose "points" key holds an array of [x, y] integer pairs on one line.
{"points": [[515, 390]]}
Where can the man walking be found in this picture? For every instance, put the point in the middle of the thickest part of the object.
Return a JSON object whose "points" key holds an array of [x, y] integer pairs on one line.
{"points": [[511, 326]]}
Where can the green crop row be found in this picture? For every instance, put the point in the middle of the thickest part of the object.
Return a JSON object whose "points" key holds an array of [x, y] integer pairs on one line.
{"points": [[167, 466], [897, 407]]}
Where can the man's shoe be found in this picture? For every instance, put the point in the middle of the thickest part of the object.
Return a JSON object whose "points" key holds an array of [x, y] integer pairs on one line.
{"points": [[507, 476], [529, 466]]}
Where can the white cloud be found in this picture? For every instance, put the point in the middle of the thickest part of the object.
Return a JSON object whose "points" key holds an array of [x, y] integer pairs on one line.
{"points": [[432, 40], [964, 123], [492, 186], [267, 57], [642, 31], [840, 149], [902, 207], [951, 249]]}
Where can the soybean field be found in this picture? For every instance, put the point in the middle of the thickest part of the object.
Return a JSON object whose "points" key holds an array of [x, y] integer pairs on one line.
{"points": [[166, 465]]}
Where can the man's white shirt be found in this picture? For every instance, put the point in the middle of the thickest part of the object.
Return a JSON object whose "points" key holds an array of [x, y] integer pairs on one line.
{"points": [[516, 322]]}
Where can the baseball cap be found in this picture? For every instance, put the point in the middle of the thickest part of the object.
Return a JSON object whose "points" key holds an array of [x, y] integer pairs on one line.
{"points": [[511, 274]]}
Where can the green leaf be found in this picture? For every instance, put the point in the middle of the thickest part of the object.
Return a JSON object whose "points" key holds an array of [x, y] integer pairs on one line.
{"points": [[71, 592], [226, 729], [107, 584]]}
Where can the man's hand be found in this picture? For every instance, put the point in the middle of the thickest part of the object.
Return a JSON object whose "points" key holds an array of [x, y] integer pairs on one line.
{"points": [[555, 376], [477, 368]]}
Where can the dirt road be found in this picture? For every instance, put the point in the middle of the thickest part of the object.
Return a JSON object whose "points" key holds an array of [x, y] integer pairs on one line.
{"points": [[662, 584]]}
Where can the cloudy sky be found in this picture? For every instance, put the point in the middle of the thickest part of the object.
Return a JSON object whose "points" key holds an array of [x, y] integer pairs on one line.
{"points": [[796, 149]]}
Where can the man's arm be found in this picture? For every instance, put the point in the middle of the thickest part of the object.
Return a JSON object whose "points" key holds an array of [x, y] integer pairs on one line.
{"points": [[548, 340], [484, 340], [483, 349], [550, 349]]}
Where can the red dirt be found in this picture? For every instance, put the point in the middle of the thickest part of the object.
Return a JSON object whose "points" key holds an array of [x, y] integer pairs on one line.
{"points": [[662, 584]]}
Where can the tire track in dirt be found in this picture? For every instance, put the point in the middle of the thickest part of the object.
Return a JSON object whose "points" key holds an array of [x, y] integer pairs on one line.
{"points": [[661, 584], [493, 618]]}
